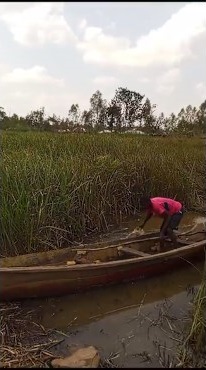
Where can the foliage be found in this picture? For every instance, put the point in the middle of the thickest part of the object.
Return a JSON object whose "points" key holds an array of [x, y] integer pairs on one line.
{"points": [[125, 111], [57, 188]]}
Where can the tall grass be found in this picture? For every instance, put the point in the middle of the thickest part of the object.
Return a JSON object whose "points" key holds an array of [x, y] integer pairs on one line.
{"points": [[58, 187], [193, 347]]}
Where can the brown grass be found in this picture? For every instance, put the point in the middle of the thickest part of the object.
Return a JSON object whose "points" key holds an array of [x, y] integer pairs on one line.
{"points": [[24, 343]]}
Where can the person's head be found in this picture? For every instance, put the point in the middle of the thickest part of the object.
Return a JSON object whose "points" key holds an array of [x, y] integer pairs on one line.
{"points": [[146, 202]]}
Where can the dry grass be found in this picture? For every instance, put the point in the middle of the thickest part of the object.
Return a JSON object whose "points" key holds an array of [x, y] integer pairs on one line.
{"points": [[192, 351], [189, 334], [24, 343]]}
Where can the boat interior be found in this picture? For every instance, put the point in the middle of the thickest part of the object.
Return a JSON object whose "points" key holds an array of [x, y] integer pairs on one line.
{"points": [[99, 252]]}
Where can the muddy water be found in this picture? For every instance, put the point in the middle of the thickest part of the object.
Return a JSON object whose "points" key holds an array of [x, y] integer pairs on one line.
{"points": [[189, 220], [125, 322]]}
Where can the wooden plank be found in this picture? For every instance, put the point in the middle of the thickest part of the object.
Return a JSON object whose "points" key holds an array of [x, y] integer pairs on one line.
{"points": [[184, 242], [134, 252]]}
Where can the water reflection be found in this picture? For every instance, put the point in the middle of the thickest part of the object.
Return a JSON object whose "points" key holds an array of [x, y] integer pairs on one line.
{"points": [[82, 308]]}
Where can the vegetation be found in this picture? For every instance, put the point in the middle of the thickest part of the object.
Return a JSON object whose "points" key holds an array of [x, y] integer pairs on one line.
{"points": [[126, 110], [24, 343], [58, 187], [193, 346]]}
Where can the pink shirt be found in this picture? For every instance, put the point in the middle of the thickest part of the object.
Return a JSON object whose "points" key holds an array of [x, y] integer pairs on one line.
{"points": [[158, 206]]}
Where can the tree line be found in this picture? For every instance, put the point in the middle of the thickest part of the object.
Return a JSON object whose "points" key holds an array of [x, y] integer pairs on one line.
{"points": [[126, 110]]}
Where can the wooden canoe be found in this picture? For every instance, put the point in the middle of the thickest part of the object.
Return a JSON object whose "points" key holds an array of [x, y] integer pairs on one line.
{"points": [[70, 270]]}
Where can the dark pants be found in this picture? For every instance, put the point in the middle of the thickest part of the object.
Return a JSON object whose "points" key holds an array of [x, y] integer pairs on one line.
{"points": [[175, 220]]}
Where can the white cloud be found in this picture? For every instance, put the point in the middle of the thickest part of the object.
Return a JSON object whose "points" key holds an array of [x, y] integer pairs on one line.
{"points": [[168, 45], [14, 6], [29, 89], [201, 89], [144, 80], [105, 81], [97, 46], [166, 82], [38, 23], [111, 26], [82, 24], [160, 55], [36, 75], [3, 69]]}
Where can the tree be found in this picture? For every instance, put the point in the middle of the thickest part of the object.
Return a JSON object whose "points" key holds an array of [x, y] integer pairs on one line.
{"points": [[86, 120], [74, 114], [131, 105], [98, 110], [192, 121], [36, 119], [2, 114], [170, 124], [201, 118], [13, 123], [182, 122], [148, 119], [52, 123], [160, 123], [96, 106], [114, 116]]}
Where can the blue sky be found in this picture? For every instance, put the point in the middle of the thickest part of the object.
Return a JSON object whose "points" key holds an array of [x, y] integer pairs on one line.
{"points": [[56, 54]]}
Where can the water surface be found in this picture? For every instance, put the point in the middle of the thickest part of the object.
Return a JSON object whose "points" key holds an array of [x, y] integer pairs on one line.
{"points": [[125, 321]]}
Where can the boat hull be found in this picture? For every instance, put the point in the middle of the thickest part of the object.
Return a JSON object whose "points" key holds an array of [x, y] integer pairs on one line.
{"points": [[42, 281]]}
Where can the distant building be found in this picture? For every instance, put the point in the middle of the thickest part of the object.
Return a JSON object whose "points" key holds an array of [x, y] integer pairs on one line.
{"points": [[79, 129], [134, 130], [104, 132]]}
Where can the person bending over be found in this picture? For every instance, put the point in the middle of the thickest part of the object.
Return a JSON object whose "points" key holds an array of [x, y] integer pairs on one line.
{"points": [[170, 210]]}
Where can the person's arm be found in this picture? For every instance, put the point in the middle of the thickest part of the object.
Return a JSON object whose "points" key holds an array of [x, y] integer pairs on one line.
{"points": [[148, 216]]}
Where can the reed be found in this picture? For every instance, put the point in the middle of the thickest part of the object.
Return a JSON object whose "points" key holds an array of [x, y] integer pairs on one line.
{"points": [[193, 347], [59, 187], [24, 343]]}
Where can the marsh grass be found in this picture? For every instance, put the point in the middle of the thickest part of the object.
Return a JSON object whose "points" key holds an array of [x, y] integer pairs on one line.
{"points": [[59, 187], [24, 343], [192, 351]]}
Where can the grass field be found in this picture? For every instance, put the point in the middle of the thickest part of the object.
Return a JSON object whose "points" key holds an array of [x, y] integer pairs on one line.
{"points": [[58, 187]]}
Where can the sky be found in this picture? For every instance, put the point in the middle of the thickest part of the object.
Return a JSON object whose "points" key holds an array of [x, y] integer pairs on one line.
{"points": [[54, 54]]}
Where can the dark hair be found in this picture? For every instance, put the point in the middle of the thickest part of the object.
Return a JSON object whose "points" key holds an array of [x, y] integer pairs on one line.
{"points": [[145, 201]]}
